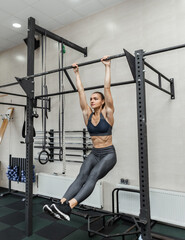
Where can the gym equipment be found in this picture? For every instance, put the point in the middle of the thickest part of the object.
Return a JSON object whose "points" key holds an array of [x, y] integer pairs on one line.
{"points": [[3, 95], [52, 146], [16, 171], [6, 119], [61, 109], [24, 125], [137, 65], [44, 154]]}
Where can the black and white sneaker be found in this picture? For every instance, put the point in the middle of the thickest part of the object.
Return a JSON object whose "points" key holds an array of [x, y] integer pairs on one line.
{"points": [[49, 211], [63, 210]]}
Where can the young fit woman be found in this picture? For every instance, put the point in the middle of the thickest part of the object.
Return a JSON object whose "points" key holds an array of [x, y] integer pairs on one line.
{"points": [[99, 121]]}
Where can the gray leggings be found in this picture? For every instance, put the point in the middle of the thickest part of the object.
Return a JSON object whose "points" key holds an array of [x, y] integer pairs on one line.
{"points": [[98, 163]]}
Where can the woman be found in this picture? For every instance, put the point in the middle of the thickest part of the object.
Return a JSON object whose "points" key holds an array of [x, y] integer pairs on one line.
{"points": [[99, 121]]}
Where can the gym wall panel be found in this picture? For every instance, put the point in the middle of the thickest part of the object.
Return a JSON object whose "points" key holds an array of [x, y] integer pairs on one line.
{"points": [[133, 24], [56, 185], [161, 204]]}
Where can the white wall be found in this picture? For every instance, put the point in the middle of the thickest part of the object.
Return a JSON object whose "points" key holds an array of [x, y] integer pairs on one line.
{"points": [[134, 24]]}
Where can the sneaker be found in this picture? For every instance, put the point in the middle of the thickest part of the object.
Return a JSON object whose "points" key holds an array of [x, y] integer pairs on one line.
{"points": [[140, 238], [49, 211], [63, 210]]}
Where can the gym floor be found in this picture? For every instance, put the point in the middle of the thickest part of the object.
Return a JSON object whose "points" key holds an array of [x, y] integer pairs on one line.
{"points": [[12, 224]]}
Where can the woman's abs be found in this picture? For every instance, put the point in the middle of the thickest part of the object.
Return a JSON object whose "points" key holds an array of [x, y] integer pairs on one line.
{"points": [[101, 141]]}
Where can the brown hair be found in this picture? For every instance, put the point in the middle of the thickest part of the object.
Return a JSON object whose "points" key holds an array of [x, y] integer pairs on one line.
{"points": [[102, 97]]}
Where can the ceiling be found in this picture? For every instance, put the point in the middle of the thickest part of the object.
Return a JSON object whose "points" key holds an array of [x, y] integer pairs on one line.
{"points": [[50, 14]]}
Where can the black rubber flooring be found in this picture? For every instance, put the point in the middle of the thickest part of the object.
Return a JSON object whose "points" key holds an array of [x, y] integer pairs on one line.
{"points": [[12, 224]]}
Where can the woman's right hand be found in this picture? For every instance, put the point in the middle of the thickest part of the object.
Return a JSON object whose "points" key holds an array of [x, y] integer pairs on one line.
{"points": [[75, 68]]}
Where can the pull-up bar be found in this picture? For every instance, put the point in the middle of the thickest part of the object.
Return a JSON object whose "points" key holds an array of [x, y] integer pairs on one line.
{"points": [[13, 104], [99, 60], [9, 84], [69, 67], [92, 62], [20, 105], [13, 94], [85, 89], [164, 50]]}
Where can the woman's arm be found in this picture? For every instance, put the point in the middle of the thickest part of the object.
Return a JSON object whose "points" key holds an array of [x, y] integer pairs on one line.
{"points": [[86, 110], [109, 107]]}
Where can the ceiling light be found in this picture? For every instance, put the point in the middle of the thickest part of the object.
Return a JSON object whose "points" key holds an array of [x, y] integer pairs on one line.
{"points": [[16, 25], [20, 58]]}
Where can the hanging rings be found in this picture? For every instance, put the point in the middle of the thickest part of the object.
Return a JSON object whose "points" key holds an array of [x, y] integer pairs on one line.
{"points": [[43, 157]]}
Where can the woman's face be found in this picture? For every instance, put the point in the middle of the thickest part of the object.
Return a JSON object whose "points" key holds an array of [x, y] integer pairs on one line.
{"points": [[96, 101]]}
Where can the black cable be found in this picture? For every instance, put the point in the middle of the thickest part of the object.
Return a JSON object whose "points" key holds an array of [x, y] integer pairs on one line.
{"points": [[44, 103], [63, 131]]}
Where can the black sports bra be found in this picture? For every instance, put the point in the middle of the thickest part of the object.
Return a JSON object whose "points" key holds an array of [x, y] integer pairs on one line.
{"points": [[103, 128]]}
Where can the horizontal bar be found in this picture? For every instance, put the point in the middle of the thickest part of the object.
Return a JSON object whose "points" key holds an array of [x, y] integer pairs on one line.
{"points": [[52, 138], [69, 148], [85, 89], [60, 39], [72, 131], [162, 237], [99, 59], [74, 155], [66, 143], [114, 235], [70, 67], [164, 50], [156, 86], [132, 227], [78, 137], [13, 104], [13, 94], [74, 161], [9, 84], [16, 105], [75, 131], [42, 108], [126, 190], [155, 70]]}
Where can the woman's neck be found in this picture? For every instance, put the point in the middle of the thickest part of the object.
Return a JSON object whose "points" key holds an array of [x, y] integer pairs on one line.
{"points": [[97, 111]]}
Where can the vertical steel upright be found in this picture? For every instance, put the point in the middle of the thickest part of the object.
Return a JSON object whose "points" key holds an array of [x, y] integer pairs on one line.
{"points": [[29, 126], [142, 147]]}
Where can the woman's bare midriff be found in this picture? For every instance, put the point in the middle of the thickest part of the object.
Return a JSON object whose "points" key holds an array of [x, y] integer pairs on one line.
{"points": [[101, 141]]}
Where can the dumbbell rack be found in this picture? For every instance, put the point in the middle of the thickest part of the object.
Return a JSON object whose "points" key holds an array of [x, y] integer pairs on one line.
{"points": [[16, 172]]}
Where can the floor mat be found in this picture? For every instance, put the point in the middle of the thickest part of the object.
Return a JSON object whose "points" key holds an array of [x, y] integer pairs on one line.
{"points": [[12, 224], [12, 233], [18, 205], [13, 218], [56, 231]]}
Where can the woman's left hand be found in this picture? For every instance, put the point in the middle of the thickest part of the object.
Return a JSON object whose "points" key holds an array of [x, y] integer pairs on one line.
{"points": [[107, 62]]}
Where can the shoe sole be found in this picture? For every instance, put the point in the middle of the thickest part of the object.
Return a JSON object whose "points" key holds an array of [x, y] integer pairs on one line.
{"points": [[61, 214], [49, 211]]}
